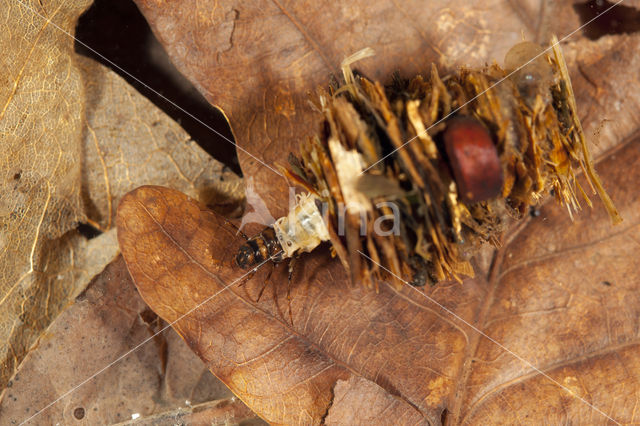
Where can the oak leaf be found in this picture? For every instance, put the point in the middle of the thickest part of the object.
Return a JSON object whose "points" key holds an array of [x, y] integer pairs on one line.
{"points": [[554, 319]]}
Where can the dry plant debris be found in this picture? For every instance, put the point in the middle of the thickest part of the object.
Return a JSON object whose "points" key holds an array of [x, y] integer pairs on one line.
{"points": [[445, 161]]}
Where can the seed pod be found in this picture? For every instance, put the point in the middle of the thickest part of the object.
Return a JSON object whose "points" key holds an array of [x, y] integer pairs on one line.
{"points": [[473, 159], [530, 71]]}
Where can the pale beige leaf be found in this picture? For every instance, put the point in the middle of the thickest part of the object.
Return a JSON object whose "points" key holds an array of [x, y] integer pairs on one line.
{"points": [[74, 137]]}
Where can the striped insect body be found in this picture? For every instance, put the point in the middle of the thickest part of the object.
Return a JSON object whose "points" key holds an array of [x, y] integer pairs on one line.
{"points": [[300, 231]]}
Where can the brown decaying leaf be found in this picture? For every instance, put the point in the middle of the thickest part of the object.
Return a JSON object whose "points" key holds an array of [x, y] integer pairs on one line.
{"points": [[228, 411], [360, 401], [170, 244], [106, 321], [74, 137], [127, 141], [40, 124], [563, 295], [257, 61], [566, 302]]}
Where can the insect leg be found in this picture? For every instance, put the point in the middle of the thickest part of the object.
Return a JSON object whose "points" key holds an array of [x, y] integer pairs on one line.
{"points": [[292, 264], [266, 281], [244, 280], [247, 278], [236, 228]]}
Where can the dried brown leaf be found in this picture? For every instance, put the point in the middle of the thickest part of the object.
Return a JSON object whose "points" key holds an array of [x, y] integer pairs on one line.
{"points": [[40, 200], [258, 61], [128, 142], [537, 303], [360, 401], [74, 137], [108, 320]]}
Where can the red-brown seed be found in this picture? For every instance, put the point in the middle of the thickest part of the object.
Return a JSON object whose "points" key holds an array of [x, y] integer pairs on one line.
{"points": [[473, 158]]}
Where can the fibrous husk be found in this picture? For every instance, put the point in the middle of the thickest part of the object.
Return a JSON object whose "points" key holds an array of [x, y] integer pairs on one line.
{"points": [[394, 208]]}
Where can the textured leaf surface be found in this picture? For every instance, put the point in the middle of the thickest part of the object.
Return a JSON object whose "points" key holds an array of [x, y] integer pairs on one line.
{"points": [[565, 302], [155, 379], [258, 61], [74, 137], [40, 201], [560, 295]]}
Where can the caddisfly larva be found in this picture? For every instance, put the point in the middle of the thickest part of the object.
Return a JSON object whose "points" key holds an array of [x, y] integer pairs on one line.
{"points": [[301, 231]]}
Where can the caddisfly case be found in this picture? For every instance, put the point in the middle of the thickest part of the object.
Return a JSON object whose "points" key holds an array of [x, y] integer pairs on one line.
{"points": [[417, 175]]}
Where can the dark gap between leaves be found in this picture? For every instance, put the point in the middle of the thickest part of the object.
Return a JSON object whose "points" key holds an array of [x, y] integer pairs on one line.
{"points": [[619, 20], [118, 31], [88, 231]]}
